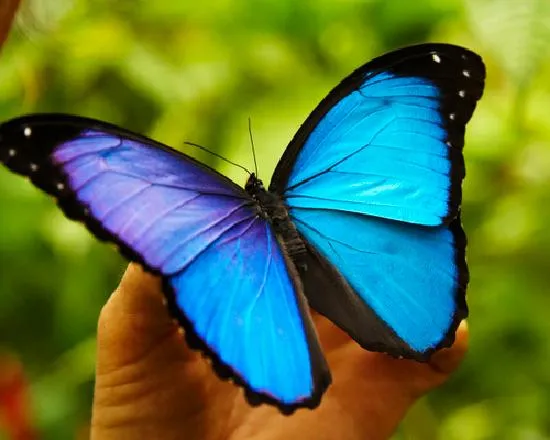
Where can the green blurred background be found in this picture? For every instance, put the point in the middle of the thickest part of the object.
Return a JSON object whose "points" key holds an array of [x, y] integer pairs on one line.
{"points": [[177, 71]]}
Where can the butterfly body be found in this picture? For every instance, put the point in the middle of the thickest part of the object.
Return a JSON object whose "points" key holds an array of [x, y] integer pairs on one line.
{"points": [[272, 208], [361, 221]]}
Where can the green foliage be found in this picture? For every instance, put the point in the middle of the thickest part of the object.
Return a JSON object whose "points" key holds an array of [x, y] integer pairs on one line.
{"points": [[179, 72]]}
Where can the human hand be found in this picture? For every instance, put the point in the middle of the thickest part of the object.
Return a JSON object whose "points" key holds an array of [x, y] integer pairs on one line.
{"points": [[150, 385]]}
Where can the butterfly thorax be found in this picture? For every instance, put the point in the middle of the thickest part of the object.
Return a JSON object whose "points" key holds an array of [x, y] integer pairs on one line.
{"points": [[272, 208]]}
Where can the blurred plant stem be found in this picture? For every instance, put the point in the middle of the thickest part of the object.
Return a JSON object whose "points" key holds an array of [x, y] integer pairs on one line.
{"points": [[7, 12]]}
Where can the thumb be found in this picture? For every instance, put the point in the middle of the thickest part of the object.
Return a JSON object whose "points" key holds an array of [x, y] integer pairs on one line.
{"points": [[147, 379], [445, 361], [135, 323]]}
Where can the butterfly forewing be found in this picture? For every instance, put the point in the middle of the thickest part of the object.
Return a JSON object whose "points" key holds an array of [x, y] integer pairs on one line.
{"points": [[225, 276]]}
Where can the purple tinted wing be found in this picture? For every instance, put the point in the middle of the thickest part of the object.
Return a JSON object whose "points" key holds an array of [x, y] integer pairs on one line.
{"points": [[144, 196], [165, 209], [225, 276]]}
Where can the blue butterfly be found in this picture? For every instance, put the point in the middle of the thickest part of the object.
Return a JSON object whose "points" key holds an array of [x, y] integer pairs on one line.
{"points": [[361, 221]]}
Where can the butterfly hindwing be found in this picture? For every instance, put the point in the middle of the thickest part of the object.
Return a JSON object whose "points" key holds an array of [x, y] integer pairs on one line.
{"points": [[257, 319], [373, 180], [224, 273], [413, 279]]}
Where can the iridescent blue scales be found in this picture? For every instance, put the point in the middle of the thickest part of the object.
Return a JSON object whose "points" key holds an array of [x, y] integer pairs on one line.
{"points": [[371, 191]]}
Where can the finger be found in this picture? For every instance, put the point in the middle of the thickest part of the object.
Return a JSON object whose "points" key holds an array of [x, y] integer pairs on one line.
{"points": [[372, 391], [147, 379], [330, 336], [448, 360], [135, 323], [418, 378]]}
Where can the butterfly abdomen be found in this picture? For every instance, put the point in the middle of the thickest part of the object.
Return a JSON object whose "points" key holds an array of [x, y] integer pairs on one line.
{"points": [[272, 208]]}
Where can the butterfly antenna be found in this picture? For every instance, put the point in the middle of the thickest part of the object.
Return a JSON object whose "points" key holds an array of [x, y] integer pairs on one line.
{"points": [[219, 156], [252, 143]]}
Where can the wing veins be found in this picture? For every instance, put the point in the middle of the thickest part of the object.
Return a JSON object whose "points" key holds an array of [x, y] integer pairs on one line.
{"points": [[356, 173], [99, 153], [125, 200], [360, 149], [202, 251], [333, 128], [393, 147], [162, 214], [347, 201], [369, 174], [329, 240], [264, 278], [205, 229], [328, 169]]}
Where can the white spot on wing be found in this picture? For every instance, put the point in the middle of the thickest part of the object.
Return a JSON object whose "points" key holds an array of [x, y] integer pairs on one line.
{"points": [[27, 131], [33, 167], [60, 186], [436, 58], [466, 73], [11, 152], [452, 116], [461, 93]]}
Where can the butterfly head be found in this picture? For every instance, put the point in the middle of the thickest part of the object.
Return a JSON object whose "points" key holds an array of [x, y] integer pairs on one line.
{"points": [[254, 186]]}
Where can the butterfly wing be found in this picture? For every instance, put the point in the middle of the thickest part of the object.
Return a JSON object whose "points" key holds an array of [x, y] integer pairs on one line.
{"points": [[225, 276], [388, 140], [400, 287], [373, 180]]}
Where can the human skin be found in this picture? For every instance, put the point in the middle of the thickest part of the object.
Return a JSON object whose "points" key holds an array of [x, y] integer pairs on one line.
{"points": [[149, 384]]}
